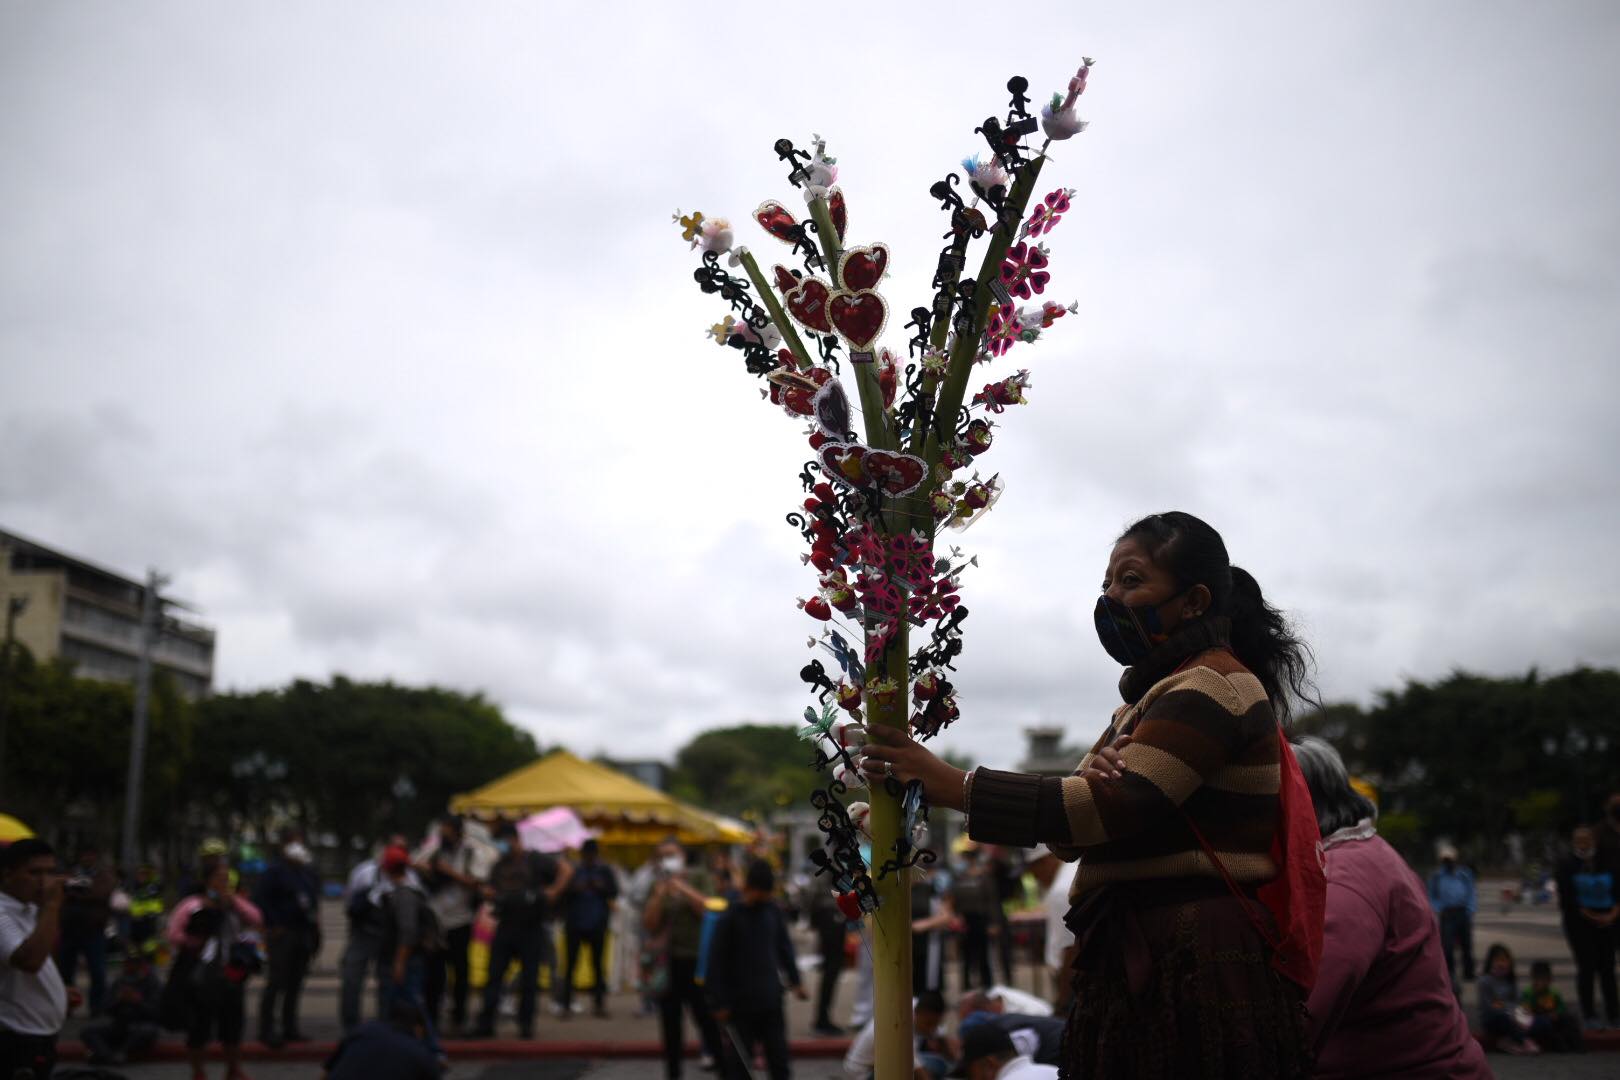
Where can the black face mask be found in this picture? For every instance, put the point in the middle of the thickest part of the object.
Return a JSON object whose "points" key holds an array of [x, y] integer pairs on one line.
{"points": [[1128, 634]]}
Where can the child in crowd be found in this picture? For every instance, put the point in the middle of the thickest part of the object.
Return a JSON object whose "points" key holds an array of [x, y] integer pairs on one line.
{"points": [[129, 1027], [1500, 1014], [1551, 1024]]}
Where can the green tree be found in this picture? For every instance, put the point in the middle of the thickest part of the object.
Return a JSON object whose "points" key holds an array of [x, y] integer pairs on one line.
{"points": [[1474, 758], [67, 751], [750, 770], [354, 759]]}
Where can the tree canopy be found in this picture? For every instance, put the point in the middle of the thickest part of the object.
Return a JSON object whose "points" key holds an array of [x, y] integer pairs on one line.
{"points": [[350, 760], [750, 771], [1473, 759]]}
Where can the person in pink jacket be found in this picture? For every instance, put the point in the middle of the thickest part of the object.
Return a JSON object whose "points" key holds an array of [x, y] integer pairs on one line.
{"points": [[211, 933], [1382, 1004]]}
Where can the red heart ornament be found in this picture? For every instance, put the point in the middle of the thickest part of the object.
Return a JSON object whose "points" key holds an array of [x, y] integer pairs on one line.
{"points": [[774, 219], [862, 268], [785, 281], [808, 304], [894, 474], [858, 316], [843, 462], [794, 389], [801, 399], [839, 210]]}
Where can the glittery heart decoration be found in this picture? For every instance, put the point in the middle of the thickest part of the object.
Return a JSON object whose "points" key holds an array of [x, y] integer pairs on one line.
{"points": [[858, 317], [807, 302], [785, 281], [862, 267], [843, 462], [831, 407], [796, 391], [894, 474], [839, 211], [774, 219]]}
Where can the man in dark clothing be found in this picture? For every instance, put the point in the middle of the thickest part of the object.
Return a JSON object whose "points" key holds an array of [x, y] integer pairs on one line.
{"points": [[831, 927], [523, 887], [131, 1026], [974, 899], [289, 898], [588, 905], [1007, 868], [409, 936], [86, 909], [748, 957], [396, 1050]]}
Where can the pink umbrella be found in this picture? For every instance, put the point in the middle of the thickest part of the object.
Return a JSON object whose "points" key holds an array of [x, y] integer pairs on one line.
{"points": [[554, 830]]}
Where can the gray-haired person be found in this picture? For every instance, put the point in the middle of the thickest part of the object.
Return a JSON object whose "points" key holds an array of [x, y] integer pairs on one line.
{"points": [[1382, 1004]]}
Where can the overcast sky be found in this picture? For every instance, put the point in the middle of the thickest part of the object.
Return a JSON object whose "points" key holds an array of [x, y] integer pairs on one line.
{"points": [[369, 324]]}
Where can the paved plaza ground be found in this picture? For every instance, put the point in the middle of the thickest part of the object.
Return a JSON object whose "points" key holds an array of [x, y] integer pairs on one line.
{"points": [[585, 1047], [1582, 1067]]}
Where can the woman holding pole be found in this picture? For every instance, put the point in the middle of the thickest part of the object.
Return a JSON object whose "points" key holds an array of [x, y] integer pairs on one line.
{"points": [[1180, 970]]}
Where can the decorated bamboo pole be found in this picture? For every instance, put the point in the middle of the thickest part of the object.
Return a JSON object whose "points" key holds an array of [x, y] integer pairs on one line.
{"points": [[875, 500]]}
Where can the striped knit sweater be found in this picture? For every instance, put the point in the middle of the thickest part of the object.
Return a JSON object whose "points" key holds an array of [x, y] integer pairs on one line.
{"points": [[1203, 745]]}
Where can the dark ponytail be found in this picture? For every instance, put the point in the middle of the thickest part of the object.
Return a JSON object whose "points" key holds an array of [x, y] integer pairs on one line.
{"points": [[1195, 554]]}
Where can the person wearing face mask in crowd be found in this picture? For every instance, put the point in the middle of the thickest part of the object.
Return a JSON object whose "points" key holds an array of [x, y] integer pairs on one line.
{"points": [[1455, 901], [1588, 892], [523, 890], [1189, 802], [673, 919]]}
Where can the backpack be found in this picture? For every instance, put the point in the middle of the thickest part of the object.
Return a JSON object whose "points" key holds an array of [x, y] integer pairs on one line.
{"points": [[429, 934]]}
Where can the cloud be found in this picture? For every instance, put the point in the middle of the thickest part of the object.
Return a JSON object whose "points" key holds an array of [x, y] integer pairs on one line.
{"points": [[370, 325]]}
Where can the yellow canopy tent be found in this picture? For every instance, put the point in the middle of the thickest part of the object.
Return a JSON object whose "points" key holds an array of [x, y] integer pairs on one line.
{"points": [[12, 829], [623, 811]]}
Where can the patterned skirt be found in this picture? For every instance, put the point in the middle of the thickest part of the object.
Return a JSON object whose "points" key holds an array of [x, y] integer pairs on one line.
{"points": [[1172, 980]]}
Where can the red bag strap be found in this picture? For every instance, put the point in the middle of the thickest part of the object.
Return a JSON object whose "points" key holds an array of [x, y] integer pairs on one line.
{"points": [[1242, 898], [1209, 851]]}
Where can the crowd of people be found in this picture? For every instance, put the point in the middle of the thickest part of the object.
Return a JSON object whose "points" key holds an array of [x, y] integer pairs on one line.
{"points": [[709, 940]]}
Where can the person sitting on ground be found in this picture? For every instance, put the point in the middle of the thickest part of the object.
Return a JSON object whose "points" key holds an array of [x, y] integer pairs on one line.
{"points": [[130, 1026], [989, 1053], [932, 1052], [1551, 1023], [1002, 999], [1382, 1004], [1039, 1038], [1500, 1015], [396, 1049], [749, 956]]}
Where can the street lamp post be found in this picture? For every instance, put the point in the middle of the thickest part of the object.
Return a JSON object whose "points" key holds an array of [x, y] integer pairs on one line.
{"points": [[151, 610]]}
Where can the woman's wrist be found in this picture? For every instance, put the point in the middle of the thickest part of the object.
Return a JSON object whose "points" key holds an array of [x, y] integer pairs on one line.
{"points": [[954, 789]]}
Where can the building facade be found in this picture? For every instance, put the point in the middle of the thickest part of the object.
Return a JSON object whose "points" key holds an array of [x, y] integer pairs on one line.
{"points": [[91, 617]]}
